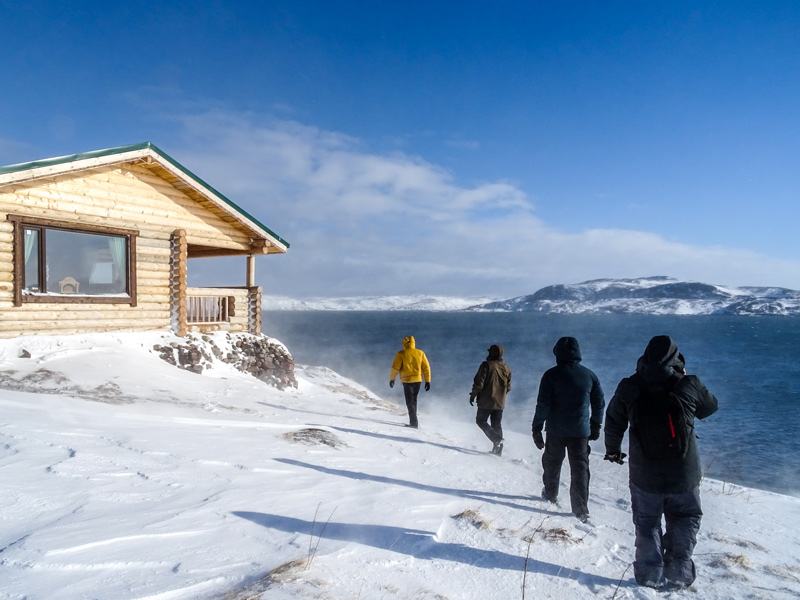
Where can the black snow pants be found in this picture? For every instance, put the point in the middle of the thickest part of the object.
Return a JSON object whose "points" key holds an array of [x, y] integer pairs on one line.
{"points": [[668, 556], [577, 449], [411, 391], [494, 431]]}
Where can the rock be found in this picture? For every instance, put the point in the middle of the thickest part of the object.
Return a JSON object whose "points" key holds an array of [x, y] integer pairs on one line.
{"points": [[254, 355]]}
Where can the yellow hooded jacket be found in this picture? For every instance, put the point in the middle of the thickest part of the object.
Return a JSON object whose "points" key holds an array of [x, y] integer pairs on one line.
{"points": [[411, 363]]}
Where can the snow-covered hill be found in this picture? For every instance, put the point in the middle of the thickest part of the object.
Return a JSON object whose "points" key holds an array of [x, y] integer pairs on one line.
{"points": [[654, 295], [125, 477], [433, 303], [644, 295]]}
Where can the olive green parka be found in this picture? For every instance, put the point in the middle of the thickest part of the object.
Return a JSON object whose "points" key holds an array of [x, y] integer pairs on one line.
{"points": [[492, 381]]}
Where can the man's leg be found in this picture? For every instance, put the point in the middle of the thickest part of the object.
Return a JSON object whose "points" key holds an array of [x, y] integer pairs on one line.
{"points": [[482, 420], [578, 453], [648, 566], [411, 391], [497, 424], [497, 428], [554, 450], [682, 514]]}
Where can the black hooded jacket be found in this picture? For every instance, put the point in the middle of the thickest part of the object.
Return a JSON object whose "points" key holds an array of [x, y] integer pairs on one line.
{"points": [[569, 394], [660, 367]]}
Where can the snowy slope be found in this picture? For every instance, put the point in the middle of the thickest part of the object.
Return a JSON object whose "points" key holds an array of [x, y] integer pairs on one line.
{"points": [[148, 482]]}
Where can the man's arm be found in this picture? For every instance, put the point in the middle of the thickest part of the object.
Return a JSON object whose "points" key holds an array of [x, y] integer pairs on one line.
{"points": [[543, 402], [397, 365], [617, 418], [426, 368], [597, 400], [705, 402], [480, 378]]}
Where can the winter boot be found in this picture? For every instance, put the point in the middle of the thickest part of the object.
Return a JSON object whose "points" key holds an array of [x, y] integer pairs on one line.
{"points": [[498, 448]]}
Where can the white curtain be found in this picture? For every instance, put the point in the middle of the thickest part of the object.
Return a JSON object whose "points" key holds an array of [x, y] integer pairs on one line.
{"points": [[31, 237], [117, 246]]}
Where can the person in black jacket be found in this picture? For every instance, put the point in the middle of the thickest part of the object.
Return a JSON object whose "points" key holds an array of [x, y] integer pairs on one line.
{"points": [[667, 486], [570, 404], [491, 384]]}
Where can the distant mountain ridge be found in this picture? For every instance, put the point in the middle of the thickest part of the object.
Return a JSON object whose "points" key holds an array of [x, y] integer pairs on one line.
{"points": [[658, 295], [652, 295], [431, 303]]}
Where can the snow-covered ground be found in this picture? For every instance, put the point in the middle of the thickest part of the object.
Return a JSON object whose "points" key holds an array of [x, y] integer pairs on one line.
{"points": [[124, 477]]}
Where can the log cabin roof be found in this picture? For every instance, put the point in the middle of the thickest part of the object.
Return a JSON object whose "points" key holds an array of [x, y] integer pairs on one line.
{"points": [[150, 156]]}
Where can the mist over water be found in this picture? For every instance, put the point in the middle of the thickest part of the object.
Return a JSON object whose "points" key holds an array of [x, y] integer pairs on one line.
{"points": [[751, 364]]}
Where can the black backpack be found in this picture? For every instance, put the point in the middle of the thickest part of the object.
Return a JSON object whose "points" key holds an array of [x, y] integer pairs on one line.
{"points": [[660, 424]]}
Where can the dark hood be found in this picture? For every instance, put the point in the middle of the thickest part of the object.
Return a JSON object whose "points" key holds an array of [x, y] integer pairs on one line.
{"points": [[495, 352], [567, 350], [661, 360]]}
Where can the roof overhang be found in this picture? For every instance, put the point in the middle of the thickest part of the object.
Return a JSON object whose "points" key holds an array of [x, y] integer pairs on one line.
{"points": [[265, 241]]}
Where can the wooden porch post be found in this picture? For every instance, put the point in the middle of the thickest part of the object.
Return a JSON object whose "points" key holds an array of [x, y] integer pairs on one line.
{"points": [[251, 271]]}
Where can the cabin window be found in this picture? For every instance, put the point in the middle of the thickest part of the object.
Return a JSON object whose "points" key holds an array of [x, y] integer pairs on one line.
{"points": [[72, 264]]}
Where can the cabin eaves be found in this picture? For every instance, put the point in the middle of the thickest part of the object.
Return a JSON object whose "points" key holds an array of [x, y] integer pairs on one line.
{"points": [[151, 156]]}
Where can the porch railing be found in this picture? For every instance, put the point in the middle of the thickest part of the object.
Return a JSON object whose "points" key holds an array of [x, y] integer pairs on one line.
{"points": [[219, 309], [209, 309]]}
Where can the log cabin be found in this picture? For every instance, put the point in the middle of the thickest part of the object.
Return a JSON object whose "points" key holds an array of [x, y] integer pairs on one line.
{"points": [[101, 241]]}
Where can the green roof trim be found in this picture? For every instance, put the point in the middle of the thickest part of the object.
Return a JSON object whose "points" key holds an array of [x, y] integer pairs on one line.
{"points": [[49, 162]]}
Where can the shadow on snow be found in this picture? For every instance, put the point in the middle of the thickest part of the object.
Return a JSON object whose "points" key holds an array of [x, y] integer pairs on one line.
{"points": [[404, 439], [421, 545], [490, 497]]}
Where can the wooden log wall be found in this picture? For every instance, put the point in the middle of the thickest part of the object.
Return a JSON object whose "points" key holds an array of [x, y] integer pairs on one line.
{"points": [[254, 309], [177, 281], [129, 196]]}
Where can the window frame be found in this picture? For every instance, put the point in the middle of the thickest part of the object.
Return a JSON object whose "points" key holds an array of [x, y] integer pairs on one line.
{"points": [[20, 222]]}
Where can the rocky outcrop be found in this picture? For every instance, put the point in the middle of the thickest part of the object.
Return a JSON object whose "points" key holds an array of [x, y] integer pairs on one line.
{"points": [[256, 355]]}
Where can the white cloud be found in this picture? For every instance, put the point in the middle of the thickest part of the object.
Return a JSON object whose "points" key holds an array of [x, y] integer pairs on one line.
{"points": [[362, 223]]}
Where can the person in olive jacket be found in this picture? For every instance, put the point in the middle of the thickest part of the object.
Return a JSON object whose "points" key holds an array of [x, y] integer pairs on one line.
{"points": [[491, 384], [667, 486], [412, 366], [570, 404]]}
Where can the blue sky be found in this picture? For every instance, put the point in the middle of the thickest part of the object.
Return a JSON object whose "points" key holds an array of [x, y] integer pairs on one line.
{"points": [[453, 148]]}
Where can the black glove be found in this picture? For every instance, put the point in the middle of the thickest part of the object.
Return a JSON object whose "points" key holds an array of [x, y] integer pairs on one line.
{"points": [[391, 383], [615, 457], [427, 386], [537, 437], [472, 399], [595, 432]]}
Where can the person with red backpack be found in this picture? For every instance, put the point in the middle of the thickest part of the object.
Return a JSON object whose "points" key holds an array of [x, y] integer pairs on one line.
{"points": [[660, 402]]}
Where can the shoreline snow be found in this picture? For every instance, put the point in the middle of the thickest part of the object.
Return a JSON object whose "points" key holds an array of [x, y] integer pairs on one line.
{"points": [[170, 485]]}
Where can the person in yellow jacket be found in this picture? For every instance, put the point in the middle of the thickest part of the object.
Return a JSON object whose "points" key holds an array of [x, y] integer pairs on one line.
{"points": [[412, 365]]}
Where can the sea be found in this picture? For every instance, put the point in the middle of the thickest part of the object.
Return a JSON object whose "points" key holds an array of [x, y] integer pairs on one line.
{"points": [[751, 364]]}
